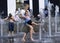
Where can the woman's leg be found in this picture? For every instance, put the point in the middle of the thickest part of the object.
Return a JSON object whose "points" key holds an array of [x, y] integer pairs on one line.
{"points": [[23, 39], [31, 32], [31, 27]]}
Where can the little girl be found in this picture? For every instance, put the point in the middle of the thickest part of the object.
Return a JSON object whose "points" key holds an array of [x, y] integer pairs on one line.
{"points": [[10, 24], [28, 19]]}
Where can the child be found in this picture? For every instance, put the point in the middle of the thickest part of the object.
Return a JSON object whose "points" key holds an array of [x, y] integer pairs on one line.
{"points": [[10, 24]]}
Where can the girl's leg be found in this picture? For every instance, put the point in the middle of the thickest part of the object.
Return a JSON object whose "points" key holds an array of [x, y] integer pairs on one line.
{"points": [[13, 33], [9, 33], [23, 39], [35, 23], [12, 28]]}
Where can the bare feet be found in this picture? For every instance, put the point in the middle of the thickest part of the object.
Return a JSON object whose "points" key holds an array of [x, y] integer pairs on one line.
{"points": [[32, 39], [9, 35], [23, 40]]}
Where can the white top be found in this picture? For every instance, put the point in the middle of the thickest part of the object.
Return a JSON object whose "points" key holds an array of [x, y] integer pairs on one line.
{"points": [[23, 12]]}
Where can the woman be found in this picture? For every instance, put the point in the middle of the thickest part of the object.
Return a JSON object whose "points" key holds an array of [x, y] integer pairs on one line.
{"points": [[29, 23]]}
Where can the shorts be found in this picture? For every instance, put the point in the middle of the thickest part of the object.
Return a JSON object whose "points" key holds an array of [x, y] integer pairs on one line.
{"points": [[26, 29], [29, 22], [11, 26]]}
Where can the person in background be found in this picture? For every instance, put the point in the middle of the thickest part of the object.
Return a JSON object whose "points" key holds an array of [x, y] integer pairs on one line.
{"points": [[46, 11], [17, 15]]}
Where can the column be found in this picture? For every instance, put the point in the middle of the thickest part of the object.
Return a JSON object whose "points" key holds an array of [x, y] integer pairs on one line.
{"points": [[11, 6]]}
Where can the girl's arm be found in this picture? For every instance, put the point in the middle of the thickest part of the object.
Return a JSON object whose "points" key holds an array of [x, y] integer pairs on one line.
{"points": [[13, 18], [5, 18]]}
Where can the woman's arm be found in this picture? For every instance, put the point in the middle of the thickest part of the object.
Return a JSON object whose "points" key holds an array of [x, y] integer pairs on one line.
{"points": [[23, 17]]}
